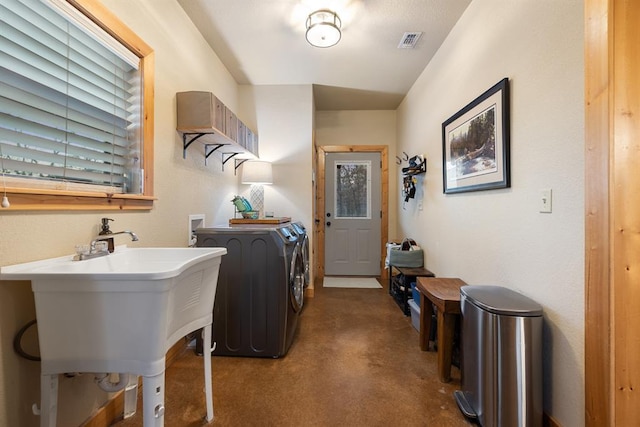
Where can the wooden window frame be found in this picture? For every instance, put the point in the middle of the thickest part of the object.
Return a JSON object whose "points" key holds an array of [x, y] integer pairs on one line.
{"points": [[33, 199]]}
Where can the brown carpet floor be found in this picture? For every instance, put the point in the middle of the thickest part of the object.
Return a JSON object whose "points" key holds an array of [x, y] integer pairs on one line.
{"points": [[355, 361]]}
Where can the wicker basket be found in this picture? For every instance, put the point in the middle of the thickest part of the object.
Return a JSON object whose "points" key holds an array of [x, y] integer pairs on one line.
{"points": [[400, 258]]}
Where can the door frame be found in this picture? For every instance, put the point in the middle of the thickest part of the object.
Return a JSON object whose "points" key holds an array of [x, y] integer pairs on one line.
{"points": [[612, 206], [319, 226]]}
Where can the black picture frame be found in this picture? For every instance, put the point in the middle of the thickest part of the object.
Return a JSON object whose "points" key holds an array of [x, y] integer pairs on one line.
{"points": [[475, 144]]}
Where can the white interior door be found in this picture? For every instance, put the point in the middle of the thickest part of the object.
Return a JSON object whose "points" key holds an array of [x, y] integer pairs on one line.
{"points": [[352, 214]]}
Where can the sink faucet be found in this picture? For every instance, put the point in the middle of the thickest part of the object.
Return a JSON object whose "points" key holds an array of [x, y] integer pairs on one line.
{"points": [[93, 250], [134, 237]]}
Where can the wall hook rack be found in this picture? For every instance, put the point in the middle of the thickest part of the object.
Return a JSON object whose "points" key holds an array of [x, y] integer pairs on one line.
{"points": [[417, 165], [404, 158]]}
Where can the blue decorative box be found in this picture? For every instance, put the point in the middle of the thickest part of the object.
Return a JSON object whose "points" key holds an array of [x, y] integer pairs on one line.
{"points": [[416, 294]]}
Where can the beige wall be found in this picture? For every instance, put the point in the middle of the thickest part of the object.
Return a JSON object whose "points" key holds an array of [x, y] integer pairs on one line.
{"points": [[284, 116], [537, 44], [498, 237], [182, 187], [364, 128]]}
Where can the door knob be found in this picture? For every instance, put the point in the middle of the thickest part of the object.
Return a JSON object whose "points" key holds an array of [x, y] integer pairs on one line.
{"points": [[328, 223]]}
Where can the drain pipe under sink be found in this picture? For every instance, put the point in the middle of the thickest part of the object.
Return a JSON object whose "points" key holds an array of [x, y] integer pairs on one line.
{"points": [[104, 382], [128, 382]]}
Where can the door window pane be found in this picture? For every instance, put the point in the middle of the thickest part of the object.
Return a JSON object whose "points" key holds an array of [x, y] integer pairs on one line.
{"points": [[352, 189]]}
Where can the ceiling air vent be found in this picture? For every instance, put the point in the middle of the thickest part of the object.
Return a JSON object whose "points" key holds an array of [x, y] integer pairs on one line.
{"points": [[409, 40]]}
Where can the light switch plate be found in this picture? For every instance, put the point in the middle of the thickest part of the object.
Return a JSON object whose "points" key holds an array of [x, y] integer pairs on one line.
{"points": [[545, 200]]}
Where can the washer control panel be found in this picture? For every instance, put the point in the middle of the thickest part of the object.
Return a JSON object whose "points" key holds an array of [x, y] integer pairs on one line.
{"points": [[288, 234]]}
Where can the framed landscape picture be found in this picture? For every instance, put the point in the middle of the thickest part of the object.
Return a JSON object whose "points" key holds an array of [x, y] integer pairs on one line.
{"points": [[475, 143]]}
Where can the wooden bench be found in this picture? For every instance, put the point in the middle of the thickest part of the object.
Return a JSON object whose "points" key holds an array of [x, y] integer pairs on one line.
{"points": [[445, 295]]}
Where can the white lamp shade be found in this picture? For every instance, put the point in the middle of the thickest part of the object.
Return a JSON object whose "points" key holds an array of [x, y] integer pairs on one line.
{"points": [[256, 172], [323, 28]]}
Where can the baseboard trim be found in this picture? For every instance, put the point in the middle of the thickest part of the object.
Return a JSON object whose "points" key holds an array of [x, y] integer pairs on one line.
{"points": [[113, 408]]}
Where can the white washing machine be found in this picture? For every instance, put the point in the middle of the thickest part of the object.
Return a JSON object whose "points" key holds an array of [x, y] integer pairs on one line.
{"points": [[260, 288]]}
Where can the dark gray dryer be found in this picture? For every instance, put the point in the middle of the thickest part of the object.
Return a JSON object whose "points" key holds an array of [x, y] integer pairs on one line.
{"points": [[303, 242], [260, 288]]}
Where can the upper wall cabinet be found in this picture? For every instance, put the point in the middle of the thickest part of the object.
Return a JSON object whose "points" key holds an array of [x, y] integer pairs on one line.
{"points": [[204, 118]]}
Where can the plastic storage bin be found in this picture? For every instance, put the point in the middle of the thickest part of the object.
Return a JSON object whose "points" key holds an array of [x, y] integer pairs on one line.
{"points": [[502, 357], [415, 314]]}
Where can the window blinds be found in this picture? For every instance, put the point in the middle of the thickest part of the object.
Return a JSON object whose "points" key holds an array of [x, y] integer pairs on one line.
{"points": [[69, 103]]}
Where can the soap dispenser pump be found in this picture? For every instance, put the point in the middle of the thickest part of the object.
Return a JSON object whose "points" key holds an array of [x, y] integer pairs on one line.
{"points": [[105, 230]]}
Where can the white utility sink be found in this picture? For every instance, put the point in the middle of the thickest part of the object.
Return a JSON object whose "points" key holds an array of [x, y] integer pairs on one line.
{"points": [[120, 313]]}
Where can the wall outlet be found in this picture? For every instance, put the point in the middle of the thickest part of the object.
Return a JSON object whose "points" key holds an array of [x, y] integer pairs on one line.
{"points": [[195, 221], [545, 200]]}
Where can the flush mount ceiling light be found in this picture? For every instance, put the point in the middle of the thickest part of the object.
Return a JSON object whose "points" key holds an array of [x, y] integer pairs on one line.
{"points": [[323, 28]]}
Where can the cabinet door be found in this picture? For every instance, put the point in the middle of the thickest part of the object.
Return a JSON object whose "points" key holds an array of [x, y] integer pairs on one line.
{"points": [[242, 134], [219, 115], [231, 125], [250, 143], [254, 144]]}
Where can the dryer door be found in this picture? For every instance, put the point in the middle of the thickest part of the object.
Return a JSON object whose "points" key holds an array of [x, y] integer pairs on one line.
{"points": [[305, 260], [296, 279]]}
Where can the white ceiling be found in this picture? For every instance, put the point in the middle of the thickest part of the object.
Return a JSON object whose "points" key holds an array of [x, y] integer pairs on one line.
{"points": [[262, 42]]}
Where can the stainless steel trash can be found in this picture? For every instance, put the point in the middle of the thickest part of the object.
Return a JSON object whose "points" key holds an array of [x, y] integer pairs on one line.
{"points": [[501, 357]]}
